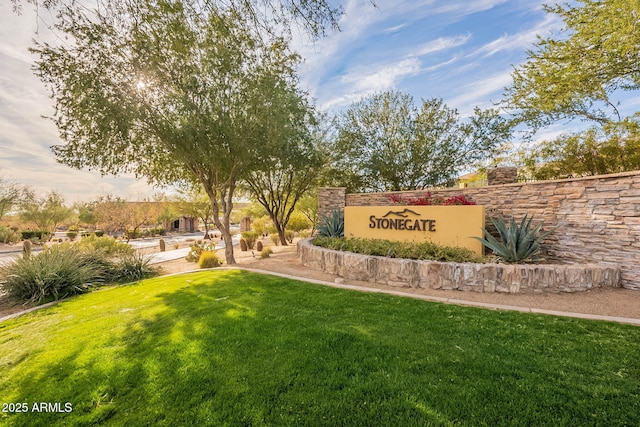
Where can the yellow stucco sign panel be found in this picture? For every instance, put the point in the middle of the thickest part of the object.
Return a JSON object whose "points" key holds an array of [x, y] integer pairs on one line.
{"points": [[444, 225]]}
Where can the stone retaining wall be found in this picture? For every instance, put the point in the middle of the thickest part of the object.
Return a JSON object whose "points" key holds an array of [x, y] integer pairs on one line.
{"points": [[537, 278], [596, 219]]}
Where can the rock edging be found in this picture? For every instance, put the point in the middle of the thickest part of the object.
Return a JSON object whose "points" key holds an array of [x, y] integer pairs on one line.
{"points": [[509, 278]]}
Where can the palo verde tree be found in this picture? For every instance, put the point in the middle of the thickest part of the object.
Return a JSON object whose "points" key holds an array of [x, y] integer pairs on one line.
{"points": [[578, 73], [168, 90], [290, 161], [315, 17], [386, 143], [47, 212]]}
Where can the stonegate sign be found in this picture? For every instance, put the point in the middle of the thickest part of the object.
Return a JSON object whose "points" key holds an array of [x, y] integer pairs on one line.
{"points": [[444, 225]]}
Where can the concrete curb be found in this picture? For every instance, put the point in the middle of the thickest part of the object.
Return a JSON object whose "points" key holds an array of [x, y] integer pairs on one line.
{"points": [[454, 301]]}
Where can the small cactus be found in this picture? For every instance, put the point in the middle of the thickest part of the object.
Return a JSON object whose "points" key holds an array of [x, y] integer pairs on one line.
{"points": [[163, 247], [26, 249], [243, 245], [259, 246]]}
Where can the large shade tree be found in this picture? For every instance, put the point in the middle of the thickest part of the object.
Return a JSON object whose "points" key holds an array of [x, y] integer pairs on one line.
{"points": [[387, 143], [166, 90]]}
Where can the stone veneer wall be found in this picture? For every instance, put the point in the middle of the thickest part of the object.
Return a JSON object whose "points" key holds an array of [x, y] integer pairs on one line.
{"points": [[532, 279], [596, 219], [330, 199]]}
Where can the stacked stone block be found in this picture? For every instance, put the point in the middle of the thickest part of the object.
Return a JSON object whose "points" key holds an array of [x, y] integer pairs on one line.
{"points": [[595, 219], [506, 278]]}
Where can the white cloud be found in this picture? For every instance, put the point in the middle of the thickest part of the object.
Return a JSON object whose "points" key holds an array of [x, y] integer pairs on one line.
{"points": [[440, 44]]}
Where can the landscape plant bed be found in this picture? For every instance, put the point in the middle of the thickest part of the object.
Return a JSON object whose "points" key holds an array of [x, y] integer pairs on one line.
{"points": [[467, 276], [239, 348]]}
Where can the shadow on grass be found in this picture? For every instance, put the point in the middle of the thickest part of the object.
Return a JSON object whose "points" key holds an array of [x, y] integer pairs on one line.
{"points": [[237, 348]]}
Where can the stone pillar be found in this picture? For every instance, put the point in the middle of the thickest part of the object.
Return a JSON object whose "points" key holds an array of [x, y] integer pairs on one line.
{"points": [[499, 176], [331, 199], [245, 224]]}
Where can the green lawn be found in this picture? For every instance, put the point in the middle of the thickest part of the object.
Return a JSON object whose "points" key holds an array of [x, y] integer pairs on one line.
{"points": [[237, 348]]}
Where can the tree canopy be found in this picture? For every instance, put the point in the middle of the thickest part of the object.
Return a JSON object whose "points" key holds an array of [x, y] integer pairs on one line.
{"points": [[386, 143], [314, 16], [166, 91], [579, 72]]}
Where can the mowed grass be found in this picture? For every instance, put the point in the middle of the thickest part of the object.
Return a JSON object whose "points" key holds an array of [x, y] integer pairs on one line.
{"points": [[236, 348]]}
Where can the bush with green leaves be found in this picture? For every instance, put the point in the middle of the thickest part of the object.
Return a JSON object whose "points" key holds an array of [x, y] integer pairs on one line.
{"points": [[105, 244], [196, 250], [409, 250], [519, 243], [332, 225], [50, 275], [8, 235], [250, 237]]}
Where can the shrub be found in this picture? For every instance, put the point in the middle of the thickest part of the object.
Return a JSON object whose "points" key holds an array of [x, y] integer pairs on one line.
{"points": [[518, 243], [250, 237], [379, 247], [275, 238], [8, 235], [209, 259], [196, 250], [72, 235], [50, 275], [332, 225], [265, 253], [288, 235], [107, 245], [132, 268]]}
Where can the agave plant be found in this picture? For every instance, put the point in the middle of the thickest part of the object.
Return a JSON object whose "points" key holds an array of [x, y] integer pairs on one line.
{"points": [[332, 225], [518, 242]]}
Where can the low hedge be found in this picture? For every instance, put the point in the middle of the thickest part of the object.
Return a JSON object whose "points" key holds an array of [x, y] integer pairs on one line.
{"points": [[409, 250]]}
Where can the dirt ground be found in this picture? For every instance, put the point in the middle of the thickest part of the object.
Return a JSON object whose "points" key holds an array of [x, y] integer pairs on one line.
{"points": [[605, 302]]}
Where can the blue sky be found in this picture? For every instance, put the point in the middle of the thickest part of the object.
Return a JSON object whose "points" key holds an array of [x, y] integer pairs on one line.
{"points": [[462, 51]]}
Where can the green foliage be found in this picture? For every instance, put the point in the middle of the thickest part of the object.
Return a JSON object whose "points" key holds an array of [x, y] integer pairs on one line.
{"points": [[275, 238], [132, 268], [209, 259], [298, 222], [106, 245], [289, 235], [379, 247], [68, 269], [386, 143], [266, 253], [196, 250], [519, 243], [52, 274], [250, 238], [611, 149], [7, 235], [578, 72], [46, 212], [332, 225], [10, 195], [204, 98], [72, 234]]}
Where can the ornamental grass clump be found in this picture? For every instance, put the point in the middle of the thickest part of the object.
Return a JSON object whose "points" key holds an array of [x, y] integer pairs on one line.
{"points": [[519, 243], [209, 259], [50, 275]]}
